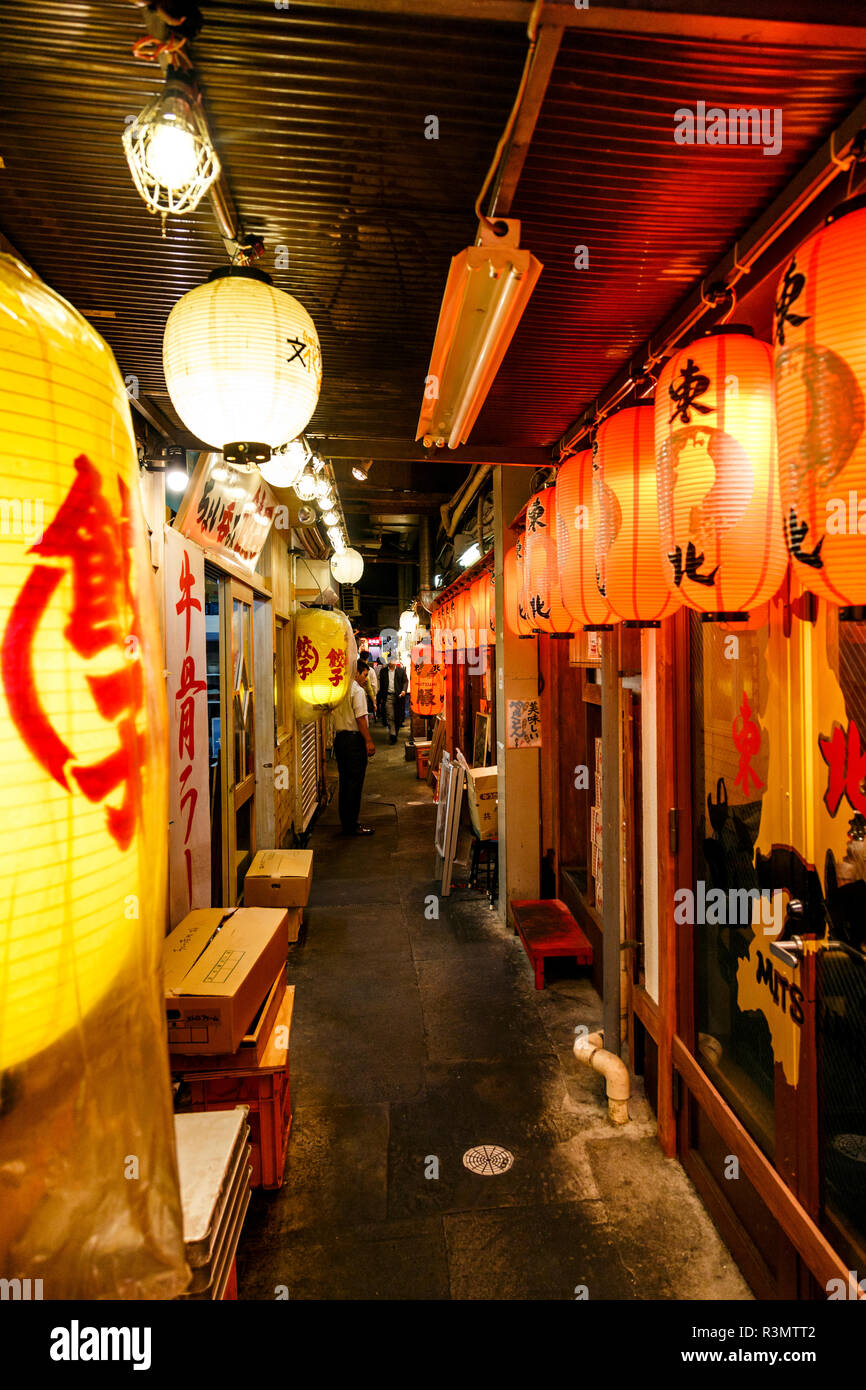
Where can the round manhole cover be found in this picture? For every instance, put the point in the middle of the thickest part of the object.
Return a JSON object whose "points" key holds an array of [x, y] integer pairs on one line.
{"points": [[487, 1160]]}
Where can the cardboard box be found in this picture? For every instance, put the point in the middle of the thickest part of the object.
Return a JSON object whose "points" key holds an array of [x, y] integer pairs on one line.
{"points": [[219, 964], [296, 921], [483, 797], [279, 878], [253, 1043]]}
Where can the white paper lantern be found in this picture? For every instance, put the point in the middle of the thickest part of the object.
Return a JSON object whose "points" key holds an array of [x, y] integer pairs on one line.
{"points": [[347, 567], [242, 360], [408, 620]]}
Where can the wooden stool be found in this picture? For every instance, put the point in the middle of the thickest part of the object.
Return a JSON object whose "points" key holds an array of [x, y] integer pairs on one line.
{"points": [[547, 928]]}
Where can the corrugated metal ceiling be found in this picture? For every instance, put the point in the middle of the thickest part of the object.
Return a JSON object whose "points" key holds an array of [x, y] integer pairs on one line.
{"points": [[319, 116], [604, 171]]}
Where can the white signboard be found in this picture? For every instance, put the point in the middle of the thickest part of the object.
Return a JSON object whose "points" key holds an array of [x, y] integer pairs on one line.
{"points": [[189, 867]]}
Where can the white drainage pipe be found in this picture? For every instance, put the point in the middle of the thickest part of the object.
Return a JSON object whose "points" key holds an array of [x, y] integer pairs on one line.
{"points": [[589, 1049]]}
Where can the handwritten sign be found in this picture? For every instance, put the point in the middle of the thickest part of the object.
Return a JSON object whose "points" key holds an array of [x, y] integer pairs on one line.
{"points": [[227, 512], [189, 828], [523, 724]]}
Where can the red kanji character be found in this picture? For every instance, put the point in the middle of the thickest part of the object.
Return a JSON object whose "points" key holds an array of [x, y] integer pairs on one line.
{"points": [[337, 663], [86, 531], [186, 602], [747, 741], [225, 524], [187, 691], [846, 760], [306, 656]]}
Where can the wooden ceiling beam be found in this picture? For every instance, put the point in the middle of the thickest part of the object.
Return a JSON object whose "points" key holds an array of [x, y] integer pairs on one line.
{"points": [[397, 450]]}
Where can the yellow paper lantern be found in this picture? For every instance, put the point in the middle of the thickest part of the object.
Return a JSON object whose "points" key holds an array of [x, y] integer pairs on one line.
{"points": [[242, 361], [324, 662], [84, 820]]}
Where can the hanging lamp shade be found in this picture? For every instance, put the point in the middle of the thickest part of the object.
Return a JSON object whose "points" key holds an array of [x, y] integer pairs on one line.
{"points": [[324, 662], [722, 545], [576, 528], [547, 612], [821, 406], [427, 687], [628, 540], [242, 363], [347, 566], [515, 611]]}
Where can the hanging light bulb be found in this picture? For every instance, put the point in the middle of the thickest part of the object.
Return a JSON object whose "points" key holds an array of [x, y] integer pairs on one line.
{"points": [[305, 487], [331, 518], [169, 149], [284, 469], [323, 487], [318, 463]]}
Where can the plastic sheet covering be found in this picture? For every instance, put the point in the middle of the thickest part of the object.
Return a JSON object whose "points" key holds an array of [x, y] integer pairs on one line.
{"points": [[89, 1199]]}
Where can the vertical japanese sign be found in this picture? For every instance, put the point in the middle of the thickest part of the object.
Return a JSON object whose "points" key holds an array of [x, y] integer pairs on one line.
{"points": [[186, 690]]}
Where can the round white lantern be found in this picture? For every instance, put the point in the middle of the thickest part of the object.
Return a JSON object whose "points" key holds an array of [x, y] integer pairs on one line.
{"points": [[347, 567], [408, 620], [242, 360]]}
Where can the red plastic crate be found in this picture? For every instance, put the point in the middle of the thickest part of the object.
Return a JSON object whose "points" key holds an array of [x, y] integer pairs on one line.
{"points": [[268, 1097]]}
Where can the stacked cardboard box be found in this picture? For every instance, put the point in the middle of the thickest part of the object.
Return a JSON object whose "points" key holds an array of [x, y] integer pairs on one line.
{"points": [[281, 878], [482, 790]]}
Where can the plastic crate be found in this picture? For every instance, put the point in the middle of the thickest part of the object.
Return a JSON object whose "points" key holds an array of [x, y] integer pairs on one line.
{"points": [[268, 1097]]}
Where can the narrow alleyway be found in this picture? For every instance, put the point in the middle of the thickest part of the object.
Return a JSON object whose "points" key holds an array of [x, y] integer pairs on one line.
{"points": [[415, 1039]]}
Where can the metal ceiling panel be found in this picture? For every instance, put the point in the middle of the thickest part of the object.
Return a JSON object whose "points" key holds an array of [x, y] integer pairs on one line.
{"points": [[604, 172]]}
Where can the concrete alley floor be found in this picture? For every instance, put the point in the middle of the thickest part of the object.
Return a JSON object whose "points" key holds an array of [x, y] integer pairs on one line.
{"points": [[415, 1039]]}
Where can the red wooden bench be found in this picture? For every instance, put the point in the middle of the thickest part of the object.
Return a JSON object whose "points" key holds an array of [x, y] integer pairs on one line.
{"points": [[547, 928]]}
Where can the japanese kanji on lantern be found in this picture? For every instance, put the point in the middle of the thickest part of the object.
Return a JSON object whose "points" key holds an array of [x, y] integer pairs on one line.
{"points": [[821, 406], [628, 541], [84, 823], [547, 611], [427, 687], [324, 661], [722, 546], [516, 616], [576, 527], [490, 632]]}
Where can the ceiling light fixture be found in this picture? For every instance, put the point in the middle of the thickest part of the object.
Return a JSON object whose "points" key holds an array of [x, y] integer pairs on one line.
{"points": [[169, 150], [305, 487], [285, 466], [470, 556], [331, 518], [176, 480], [360, 470], [488, 288]]}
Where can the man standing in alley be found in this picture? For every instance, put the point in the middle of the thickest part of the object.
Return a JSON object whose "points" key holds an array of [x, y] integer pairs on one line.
{"points": [[353, 746], [392, 683]]}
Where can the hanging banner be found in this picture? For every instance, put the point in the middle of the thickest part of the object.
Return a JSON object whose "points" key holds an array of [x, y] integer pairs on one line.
{"points": [[227, 512], [189, 868]]}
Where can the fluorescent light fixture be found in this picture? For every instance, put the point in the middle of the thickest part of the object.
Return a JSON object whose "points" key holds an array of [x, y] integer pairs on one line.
{"points": [[470, 556], [437, 580], [488, 288]]}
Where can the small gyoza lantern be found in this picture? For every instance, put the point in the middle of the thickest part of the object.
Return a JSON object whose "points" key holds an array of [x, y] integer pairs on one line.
{"points": [[722, 545], [577, 525], [547, 612], [821, 406], [628, 540], [324, 660]]}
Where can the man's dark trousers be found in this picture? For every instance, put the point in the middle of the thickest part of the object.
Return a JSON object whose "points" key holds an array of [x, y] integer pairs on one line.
{"points": [[350, 752]]}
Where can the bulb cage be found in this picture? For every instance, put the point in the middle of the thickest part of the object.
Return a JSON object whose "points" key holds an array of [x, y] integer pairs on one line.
{"points": [[181, 108]]}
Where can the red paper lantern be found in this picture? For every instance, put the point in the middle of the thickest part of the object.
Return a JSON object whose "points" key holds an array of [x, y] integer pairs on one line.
{"points": [[427, 687], [516, 616], [820, 411], [547, 611], [722, 545], [490, 633], [576, 528], [628, 540]]}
